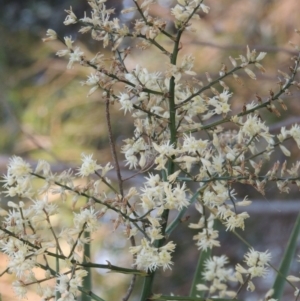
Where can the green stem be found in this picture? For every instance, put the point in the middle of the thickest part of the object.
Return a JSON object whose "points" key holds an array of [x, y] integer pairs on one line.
{"points": [[286, 262], [198, 276], [87, 281], [186, 298], [57, 293], [147, 287], [90, 294], [148, 281]]}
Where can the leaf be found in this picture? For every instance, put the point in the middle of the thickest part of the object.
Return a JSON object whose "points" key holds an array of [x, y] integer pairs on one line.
{"points": [[286, 261], [198, 277]]}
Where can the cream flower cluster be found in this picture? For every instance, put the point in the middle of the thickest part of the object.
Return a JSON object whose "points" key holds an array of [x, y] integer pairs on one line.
{"points": [[257, 266], [151, 258], [28, 237], [218, 277], [189, 142]]}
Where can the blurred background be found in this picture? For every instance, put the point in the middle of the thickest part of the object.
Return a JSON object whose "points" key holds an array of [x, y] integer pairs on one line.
{"points": [[44, 112]]}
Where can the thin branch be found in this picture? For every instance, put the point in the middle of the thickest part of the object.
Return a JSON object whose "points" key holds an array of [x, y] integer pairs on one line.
{"points": [[133, 279], [113, 148], [53, 233], [242, 47], [150, 113], [96, 201], [151, 24], [212, 83]]}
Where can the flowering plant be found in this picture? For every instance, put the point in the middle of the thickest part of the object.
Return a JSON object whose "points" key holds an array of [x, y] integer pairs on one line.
{"points": [[189, 143]]}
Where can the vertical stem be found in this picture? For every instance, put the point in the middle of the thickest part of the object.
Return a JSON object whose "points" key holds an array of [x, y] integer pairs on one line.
{"points": [[148, 281], [172, 127], [147, 287], [113, 147], [133, 279], [87, 281], [57, 293], [198, 276]]}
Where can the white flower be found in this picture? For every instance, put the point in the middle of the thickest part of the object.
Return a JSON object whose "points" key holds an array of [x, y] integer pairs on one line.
{"points": [[21, 263], [92, 90], [233, 61], [257, 262], [70, 18], [151, 258], [207, 239], [20, 289], [250, 286], [293, 278], [283, 134], [132, 161], [75, 56], [126, 102], [43, 166], [205, 8], [220, 102], [164, 259], [250, 73], [87, 218], [62, 52], [92, 80], [51, 35], [236, 221], [244, 202], [88, 167], [295, 133], [257, 271], [191, 145], [154, 234], [131, 78], [17, 167], [106, 169], [217, 274], [76, 281], [67, 296], [260, 56], [285, 150], [201, 287], [165, 149], [40, 207], [185, 67], [179, 194], [69, 42], [253, 126], [180, 13]]}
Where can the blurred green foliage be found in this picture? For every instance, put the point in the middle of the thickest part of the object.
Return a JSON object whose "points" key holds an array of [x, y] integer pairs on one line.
{"points": [[44, 109]]}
